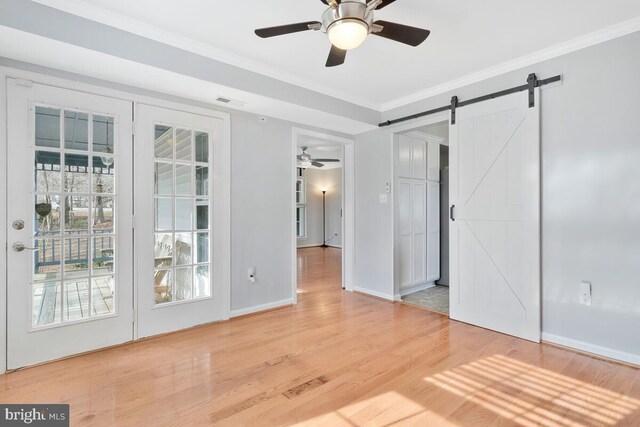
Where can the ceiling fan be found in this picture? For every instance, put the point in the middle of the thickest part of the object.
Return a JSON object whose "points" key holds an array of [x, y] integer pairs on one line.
{"points": [[348, 23], [306, 160]]}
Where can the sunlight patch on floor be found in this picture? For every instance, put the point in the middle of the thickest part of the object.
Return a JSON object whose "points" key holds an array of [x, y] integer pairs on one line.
{"points": [[530, 396], [385, 409]]}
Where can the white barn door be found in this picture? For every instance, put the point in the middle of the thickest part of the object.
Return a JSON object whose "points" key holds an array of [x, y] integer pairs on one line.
{"points": [[495, 237]]}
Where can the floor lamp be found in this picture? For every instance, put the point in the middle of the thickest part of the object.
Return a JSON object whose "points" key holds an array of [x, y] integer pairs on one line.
{"points": [[324, 221]]}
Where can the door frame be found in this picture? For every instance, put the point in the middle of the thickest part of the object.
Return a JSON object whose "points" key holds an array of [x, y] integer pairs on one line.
{"points": [[348, 207], [65, 83]]}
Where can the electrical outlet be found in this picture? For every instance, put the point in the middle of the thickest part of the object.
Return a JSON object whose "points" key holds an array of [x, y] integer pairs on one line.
{"points": [[585, 293]]}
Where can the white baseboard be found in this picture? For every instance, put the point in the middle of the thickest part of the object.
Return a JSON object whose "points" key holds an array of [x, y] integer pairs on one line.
{"points": [[592, 348], [262, 307], [314, 245], [374, 293], [413, 289]]}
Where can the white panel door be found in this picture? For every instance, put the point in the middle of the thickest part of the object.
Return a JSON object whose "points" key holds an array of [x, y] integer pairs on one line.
{"points": [[418, 159], [182, 220], [405, 237], [433, 161], [404, 156], [495, 238], [419, 235], [433, 231], [70, 287]]}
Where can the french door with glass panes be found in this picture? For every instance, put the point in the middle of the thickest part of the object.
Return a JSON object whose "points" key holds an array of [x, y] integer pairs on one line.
{"points": [[69, 204], [180, 266]]}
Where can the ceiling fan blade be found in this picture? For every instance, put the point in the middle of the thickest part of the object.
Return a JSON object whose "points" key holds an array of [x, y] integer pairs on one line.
{"points": [[301, 158], [326, 160], [285, 29], [336, 57], [402, 33], [385, 3], [317, 164]]}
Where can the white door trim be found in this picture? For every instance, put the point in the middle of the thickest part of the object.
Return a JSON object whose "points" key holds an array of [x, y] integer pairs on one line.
{"points": [[348, 207], [3, 221]]}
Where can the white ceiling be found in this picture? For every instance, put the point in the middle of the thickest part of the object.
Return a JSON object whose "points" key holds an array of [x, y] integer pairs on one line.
{"points": [[468, 36]]}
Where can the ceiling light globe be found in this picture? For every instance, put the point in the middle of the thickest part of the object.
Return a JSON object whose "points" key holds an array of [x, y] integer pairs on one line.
{"points": [[348, 34]]}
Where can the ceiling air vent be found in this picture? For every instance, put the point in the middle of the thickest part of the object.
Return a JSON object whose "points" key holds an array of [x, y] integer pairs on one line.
{"points": [[230, 102]]}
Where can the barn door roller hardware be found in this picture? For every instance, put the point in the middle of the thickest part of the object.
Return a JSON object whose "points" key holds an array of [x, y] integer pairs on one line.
{"points": [[532, 84]]}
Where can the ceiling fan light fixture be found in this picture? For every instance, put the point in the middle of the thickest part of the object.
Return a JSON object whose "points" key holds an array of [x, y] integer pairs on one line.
{"points": [[305, 164], [347, 34]]}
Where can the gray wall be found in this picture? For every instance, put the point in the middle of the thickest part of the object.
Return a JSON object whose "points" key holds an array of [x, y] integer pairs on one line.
{"points": [[261, 211], [315, 181], [374, 220], [590, 193]]}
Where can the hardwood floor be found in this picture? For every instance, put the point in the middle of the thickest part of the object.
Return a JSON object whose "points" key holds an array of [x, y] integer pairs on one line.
{"points": [[335, 359]]}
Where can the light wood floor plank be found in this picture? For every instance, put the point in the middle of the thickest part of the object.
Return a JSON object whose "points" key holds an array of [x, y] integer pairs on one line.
{"points": [[335, 359]]}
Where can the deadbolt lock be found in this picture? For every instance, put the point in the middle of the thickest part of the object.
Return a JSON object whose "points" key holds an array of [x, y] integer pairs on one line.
{"points": [[18, 224]]}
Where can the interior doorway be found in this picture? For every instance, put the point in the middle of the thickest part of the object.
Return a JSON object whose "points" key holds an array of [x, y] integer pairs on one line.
{"points": [[422, 220], [323, 217]]}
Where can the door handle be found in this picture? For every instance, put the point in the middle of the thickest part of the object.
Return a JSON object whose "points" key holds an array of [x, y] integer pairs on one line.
{"points": [[19, 247], [451, 212]]}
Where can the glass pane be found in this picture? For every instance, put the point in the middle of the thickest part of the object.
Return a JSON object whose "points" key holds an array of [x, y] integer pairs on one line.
{"points": [[202, 181], [164, 179], [47, 127], [183, 284], [163, 142], [183, 144], [183, 214], [102, 295], [164, 214], [103, 174], [47, 215], [48, 175], [202, 285], [76, 214], [183, 180], [46, 260], [163, 286], [76, 131], [103, 214], [76, 176], [103, 134], [103, 254], [202, 147], [202, 214], [47, 304], [202, 247], [76, 257], [184, 249], [163, 250], [76, 299]]}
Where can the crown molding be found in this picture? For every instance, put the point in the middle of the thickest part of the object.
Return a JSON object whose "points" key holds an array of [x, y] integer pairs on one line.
{"points": [[133, 26], [600, 36], [97, 14]]}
